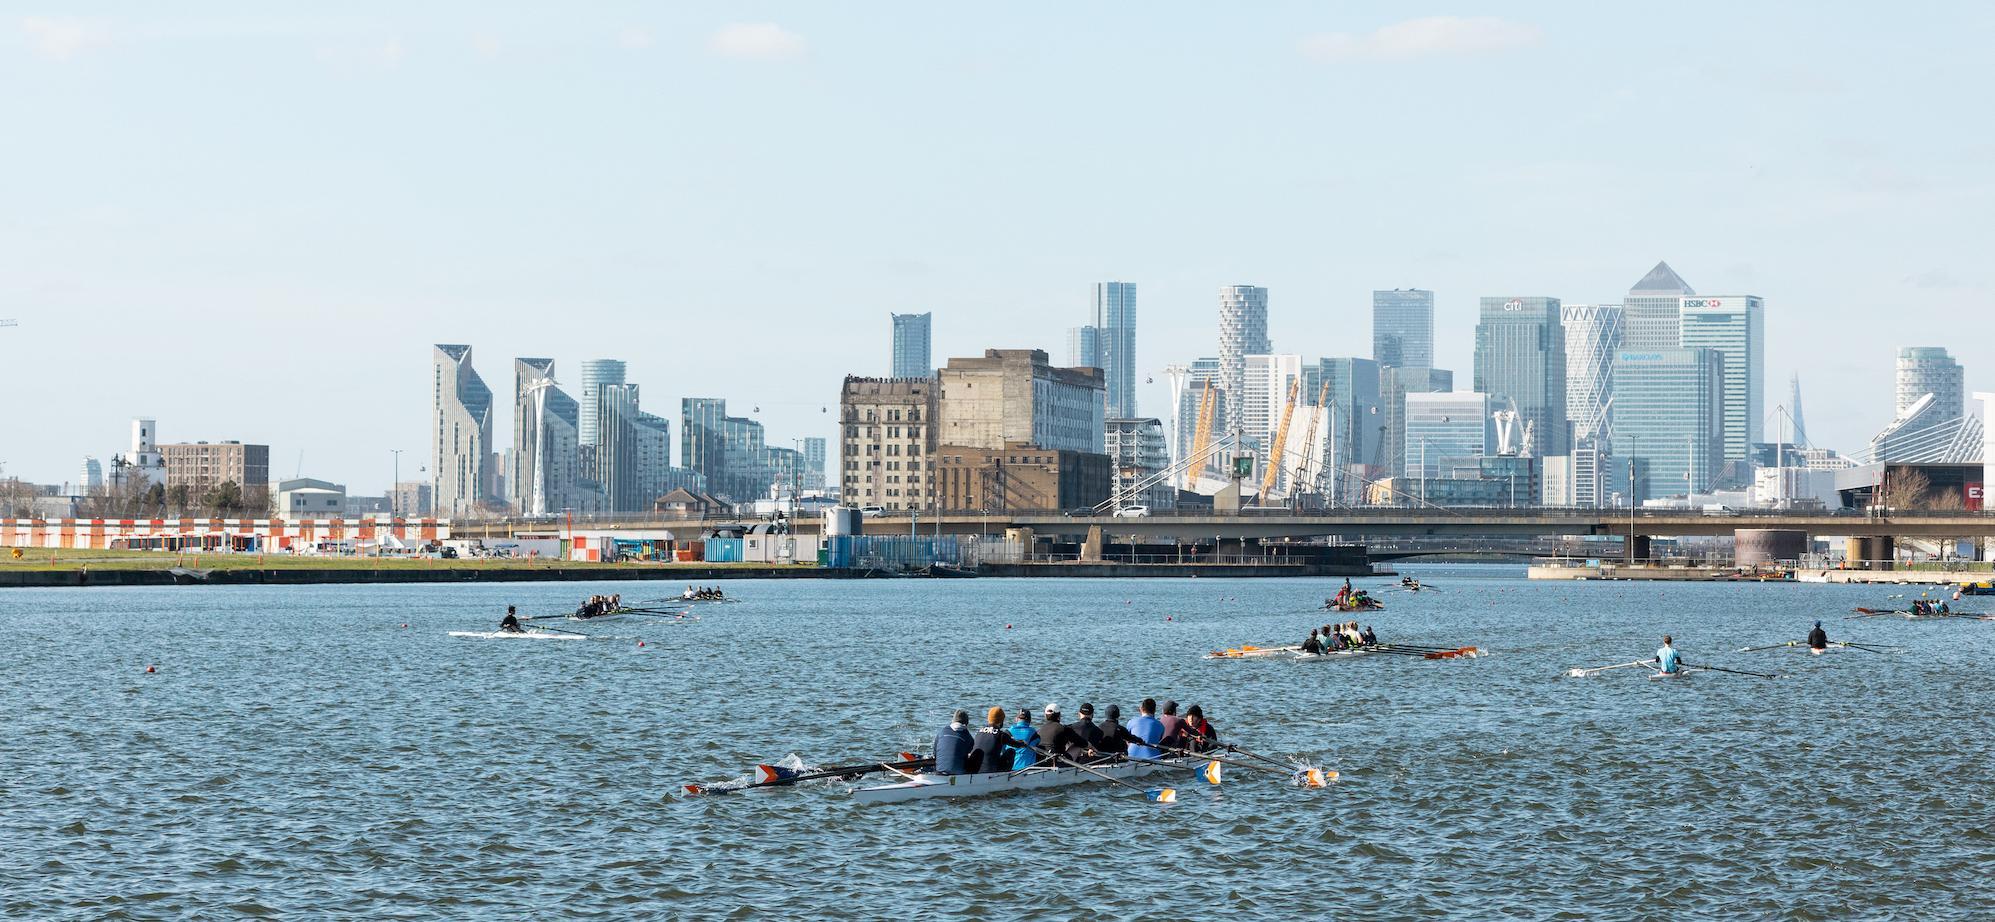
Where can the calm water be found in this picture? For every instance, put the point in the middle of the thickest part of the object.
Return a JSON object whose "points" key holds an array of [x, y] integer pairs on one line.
{"points": [[300, 753]]}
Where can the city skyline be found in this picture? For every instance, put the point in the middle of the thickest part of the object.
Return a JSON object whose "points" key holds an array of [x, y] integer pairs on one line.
{"points": [[244, 241]]}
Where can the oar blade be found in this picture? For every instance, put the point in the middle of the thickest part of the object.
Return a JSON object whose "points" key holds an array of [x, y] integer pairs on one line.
{"points": [[772, 774], [1212, 772], [1314, 777], [1162, 795]]}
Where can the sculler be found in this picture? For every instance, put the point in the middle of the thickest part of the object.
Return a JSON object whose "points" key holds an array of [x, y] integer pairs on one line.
{"points": [[953, 745], [511, 623], [1666, 658], [1115, 738], [1818, 639], [1173, 724], [1371, 639]]}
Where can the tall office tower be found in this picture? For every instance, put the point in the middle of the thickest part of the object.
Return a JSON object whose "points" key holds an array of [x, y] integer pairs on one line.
{"points": [[1442, 429], [596, 375], [911, 355], [91, 478], [1926, 370], [1800, 423], [814, 460], [702, 448], [1735, 328], [1353, 430], [1084, 347], [1403, 327], [1520, 362], [1113, 316], [1650, 312], [1593, 335], [547, 470], [1243, 331], [1267, 381], [615, 457], [1394, 385], [1668, 418], [652, 435], [461, 463]]}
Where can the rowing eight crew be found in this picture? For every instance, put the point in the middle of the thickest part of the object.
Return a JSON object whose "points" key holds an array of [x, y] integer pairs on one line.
{"points": [[996, 747], [702, 594], [1338, 638], [597, 606], [1926, 607]]}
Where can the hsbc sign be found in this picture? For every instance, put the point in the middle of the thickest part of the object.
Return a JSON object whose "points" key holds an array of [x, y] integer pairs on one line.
{"points": [[1703, 302]]}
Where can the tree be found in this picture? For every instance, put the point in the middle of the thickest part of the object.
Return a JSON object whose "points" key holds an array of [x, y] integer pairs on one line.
{"points": [[225, 500], [1903, 488], [175, 499]]}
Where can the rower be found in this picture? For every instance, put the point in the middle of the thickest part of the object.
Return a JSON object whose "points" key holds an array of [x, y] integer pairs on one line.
{"points": [[988, 745], [1338, 643], [1312, 646], [1059, 741], [689, 594], [1115, 738], [1666, 658], [953, 745], [1173, 724], [511, 623], [1199, 734], [1371, 639], [1025, 739], [1089, 731], [1818, 639], [1944, 610], [616, 602], [1146, 731]]}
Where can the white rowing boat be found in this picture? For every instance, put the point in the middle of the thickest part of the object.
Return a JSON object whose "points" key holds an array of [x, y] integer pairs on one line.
{"points": [[1251, 652], [922, 785], [517, 635]]}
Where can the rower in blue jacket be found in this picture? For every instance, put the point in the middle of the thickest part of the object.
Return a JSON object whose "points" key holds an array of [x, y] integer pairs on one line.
{"points": [[953, 745], [1027, 741], [1666, 659], [1148, 731]]}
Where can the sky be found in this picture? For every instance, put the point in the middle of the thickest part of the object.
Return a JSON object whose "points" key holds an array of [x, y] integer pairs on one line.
{"points": [[252, 220]]}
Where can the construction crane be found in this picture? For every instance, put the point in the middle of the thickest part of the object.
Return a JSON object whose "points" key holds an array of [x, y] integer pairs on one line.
{"points": [[1281, 437], [1309, 445], [1201, 435]]}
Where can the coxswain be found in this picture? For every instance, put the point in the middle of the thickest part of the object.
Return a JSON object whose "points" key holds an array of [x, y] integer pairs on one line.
{"points": [[1818, 639], [1115, 738], [1089, 731], [1371, 639], [1026, 741], [1146, 732], [989, 744], [1059, 741], [1312, 646], [953, 745], [511, 623], [1199, 734], [1666, 658]]}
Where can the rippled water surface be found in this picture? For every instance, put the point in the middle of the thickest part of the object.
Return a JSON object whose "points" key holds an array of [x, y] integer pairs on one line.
{"points": [[329, 751]]}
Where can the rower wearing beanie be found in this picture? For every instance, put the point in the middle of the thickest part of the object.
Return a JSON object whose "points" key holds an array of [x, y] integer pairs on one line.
{"points": [[989, 744], [953, 745], [1089, 731], [1115, 737], [1818, 639], [1147, 731], [1173, 725], [1199, 734], [1026, 741]]}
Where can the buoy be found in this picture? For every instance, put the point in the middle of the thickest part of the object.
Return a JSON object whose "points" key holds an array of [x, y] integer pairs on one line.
{"points": [[1007, 627], [1167, 617], [640, 643], [148, 670], [405, 624]]}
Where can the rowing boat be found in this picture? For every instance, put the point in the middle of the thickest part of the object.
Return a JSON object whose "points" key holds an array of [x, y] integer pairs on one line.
{"points": [[923, 785], [517, 635], [1252, 652]]}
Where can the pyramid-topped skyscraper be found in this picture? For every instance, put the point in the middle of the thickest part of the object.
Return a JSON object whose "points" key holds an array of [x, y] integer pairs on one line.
{"points": [[1650, 317]]}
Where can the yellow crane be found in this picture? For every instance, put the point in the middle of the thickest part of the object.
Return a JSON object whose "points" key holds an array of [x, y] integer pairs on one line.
{"points": [[1281, 436], [1309, 445], [1201, 437]]}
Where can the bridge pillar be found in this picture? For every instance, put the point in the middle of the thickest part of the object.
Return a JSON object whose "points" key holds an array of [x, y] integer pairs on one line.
{"points": [[1638, 547], [1872, 552], [1091, 548]]}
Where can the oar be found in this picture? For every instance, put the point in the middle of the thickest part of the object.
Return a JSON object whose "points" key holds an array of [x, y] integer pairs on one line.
{"points": [[1872, 647], [556, 630], [1314, 776], [1773, 646], [1160, 795], [774, 777], [1579, 673], [1760, 675], [1854, 646], [1287, 771]]}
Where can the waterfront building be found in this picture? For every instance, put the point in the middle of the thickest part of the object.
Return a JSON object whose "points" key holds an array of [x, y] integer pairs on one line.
{"points": [[1112, 315], [549, 472], [911, 356], [887, 454], [1020, 477], [1650, 319], [1924, 434], [596, 375], [1734, 326], [308, 498], [1592, 335], [461, 462], [1395, 383], [1137, 452], [1445, 428], [1590, 477], [1403, 327], [1520, 362], [202, 466], [1926, 370], [1017, 396], [1243, 331], [1667, 419], [1353, 429], [410, 498], [141, 467]]}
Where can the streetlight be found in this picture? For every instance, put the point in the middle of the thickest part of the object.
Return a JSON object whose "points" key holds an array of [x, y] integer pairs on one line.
{"points": [[395, 486]]}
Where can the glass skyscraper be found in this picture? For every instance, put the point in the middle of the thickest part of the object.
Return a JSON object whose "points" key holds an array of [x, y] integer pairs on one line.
{"points": [[1403, 328], [1520, 362], [1113, 317], [1357, 413], [1084, 347], [1394, 386], [1651, 311], [1667, 418], [1243, 331], [911, 355], [1926, 370], [1445, 428], [596, 375], [1593, 335], [1735, 328]]}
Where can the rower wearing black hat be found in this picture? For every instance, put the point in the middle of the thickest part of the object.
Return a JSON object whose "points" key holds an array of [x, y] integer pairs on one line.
{"points": [[511, 623], [953, 745], [1199, 734], [1115, 738], [1818, 639]]}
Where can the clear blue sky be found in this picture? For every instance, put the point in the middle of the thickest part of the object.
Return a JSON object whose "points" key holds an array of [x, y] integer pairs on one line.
{"points": [[251, 220]]}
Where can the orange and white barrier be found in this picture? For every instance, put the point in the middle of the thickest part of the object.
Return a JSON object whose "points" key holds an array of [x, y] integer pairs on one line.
{"points": [[271, 534]]}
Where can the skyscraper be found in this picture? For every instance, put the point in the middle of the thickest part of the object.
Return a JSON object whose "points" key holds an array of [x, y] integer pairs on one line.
{"points": [[1113, 316], [1266, 383], [461, 468], [1926, 370], [1394, 386], [596, 375], [1735, 328], [1520, 362], [547, 471], [1354, 429], [814, 461], [1650, 320], [1800, 422], [1243, 331], [1403, 327], [1442, 429], [1084, 347], [911, 356], [1191, 393], [1668, 418], [1593, 335]]}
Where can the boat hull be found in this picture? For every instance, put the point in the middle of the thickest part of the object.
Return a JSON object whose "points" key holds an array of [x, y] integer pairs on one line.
{"points": [[517, 635], [926, 786]]}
